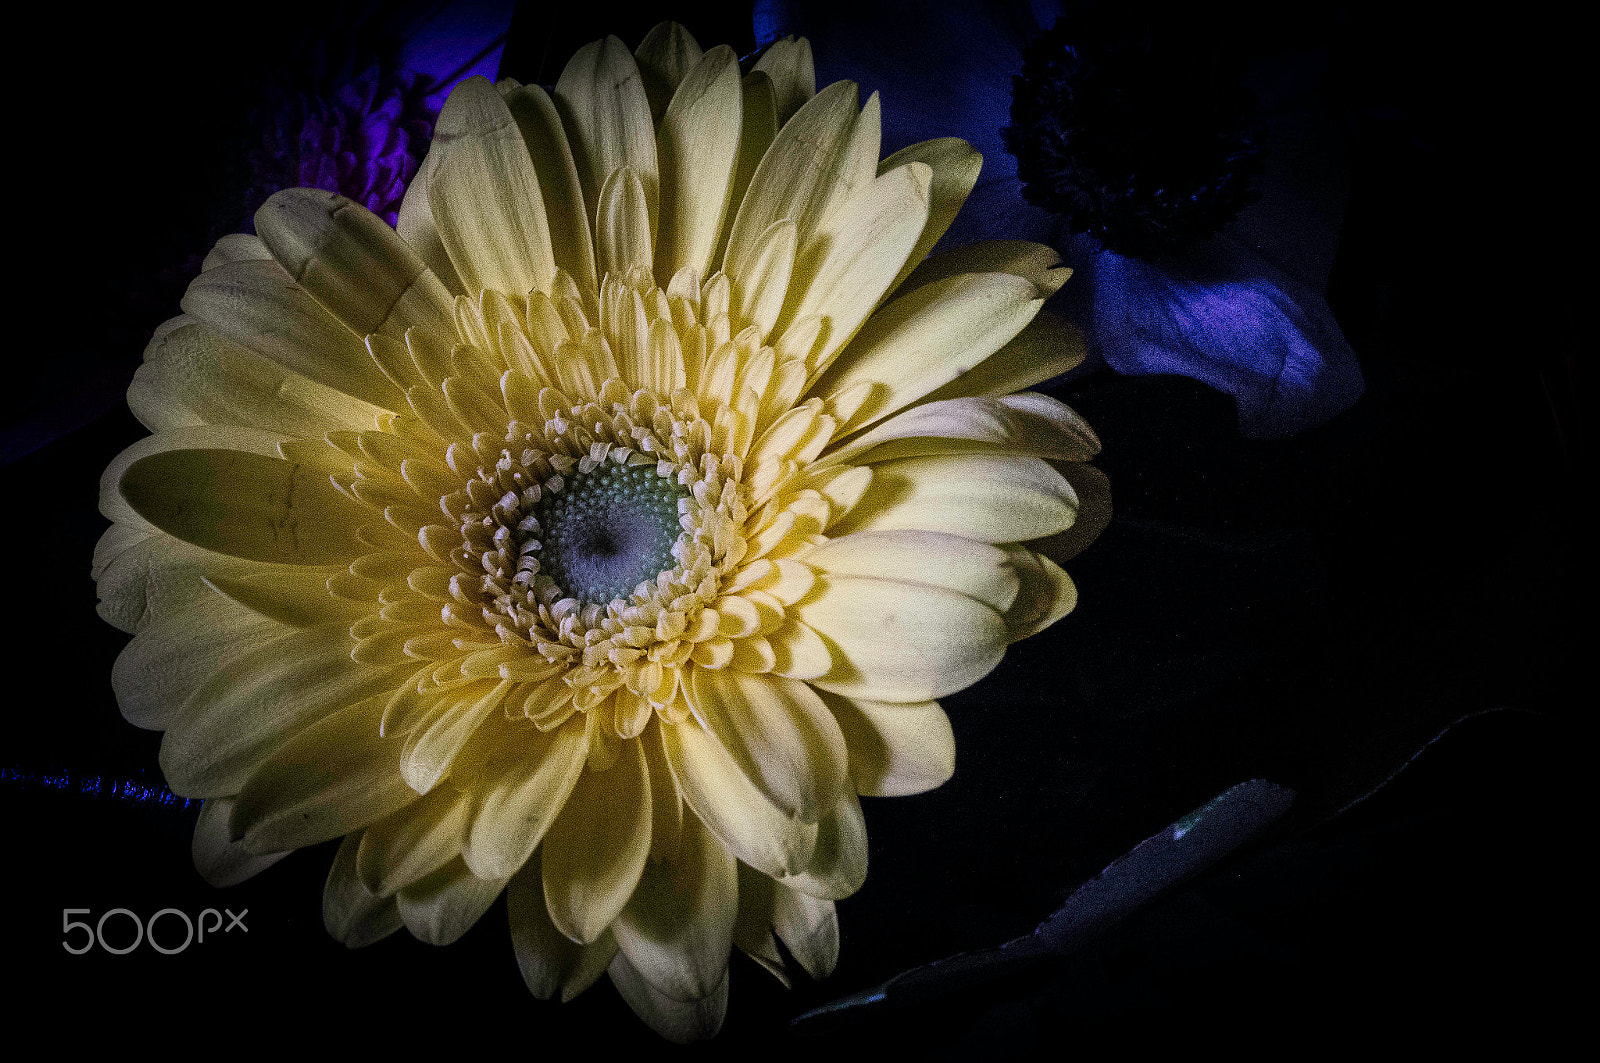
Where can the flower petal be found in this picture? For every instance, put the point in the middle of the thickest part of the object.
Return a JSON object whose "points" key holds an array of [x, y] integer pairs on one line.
{"points": [[794, 80], [895, 749], [192, 376], [351, 915], [571, 244], [595, 850], [929, 337], [839, 863], [246, 506], [440, 908], [975, 569], [522, 778], [752, 827], [779, 732], [352, 263], [552, 964], [1047, 593], [253, 704], [987, 497], [414, 841], [1049, 346], [697, 146], [678, 1021], [256, 304], [485, 195], [603, 106], [1224, 316], [1093, 491], [222, 862], [665, 57], [809, 926], [902, 641], [334, 777], [678, 928]]}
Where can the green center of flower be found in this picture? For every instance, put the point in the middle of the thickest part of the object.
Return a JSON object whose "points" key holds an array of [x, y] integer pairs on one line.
{"points": [[608, 530]]}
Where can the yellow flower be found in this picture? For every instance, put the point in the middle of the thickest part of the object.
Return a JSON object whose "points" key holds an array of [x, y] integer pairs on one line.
{"points": [[602, 534]]}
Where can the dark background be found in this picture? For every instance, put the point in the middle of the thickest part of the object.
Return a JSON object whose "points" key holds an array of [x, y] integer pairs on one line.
{"points": [[1313, 611]]}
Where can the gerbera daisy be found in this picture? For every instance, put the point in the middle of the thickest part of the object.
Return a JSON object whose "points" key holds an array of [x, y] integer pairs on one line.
{"points": [[599, 536]]}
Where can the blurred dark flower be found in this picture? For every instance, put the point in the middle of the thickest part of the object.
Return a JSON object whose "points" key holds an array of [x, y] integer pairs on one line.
{"points": [[361, 135], [1242, 311]]}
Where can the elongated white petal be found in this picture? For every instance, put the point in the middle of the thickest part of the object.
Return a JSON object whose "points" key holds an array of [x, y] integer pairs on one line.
{"points": [[603, 106], [681, 1022], [665, 57], [678, 928], [895, 749], [485, 197], [794, 79], [352, 263], [221, 861], [245, 505], [717, 789], [522, 780], [414, 841], [353, 916], [595, 850], [839, 863], [697, 146], [903, 641], [1026, 424], [975, 569], [336, 776], [991, 498], [552, 964], [443, 906], [1049, 346], [571, 244], [780, 733]]}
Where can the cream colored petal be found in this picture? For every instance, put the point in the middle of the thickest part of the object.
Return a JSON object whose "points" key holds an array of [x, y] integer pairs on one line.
{"points": [[1049, 346], [860, 249], [256, 304], [1094, 513], [678, 1021], [761, 287], [444, 731], [253, 704], [552, 964], [678, 928], [235, 247], [839, 864], [780, 734], [794, 79], [990, 498], [192, 376], [902, 641], [246, 506], [798, 651], [975, 569], [1026, 424], [895, 750], [222, 862], [352, 916], [622, 224], [595, 850], [440, 908], [297, 596], [522, 777], [809, 926], [413, 842], [485, 195], [1038, 263], [752, 931], [414, 222], [570, 241], [807, 167], [665, 57], [334, 777], [175, 653], [758, 127], [717, 789], [357, 267], [955, 165], [1047, 594], [603, 106], [113, 506], [697, 146], [929, 337]]}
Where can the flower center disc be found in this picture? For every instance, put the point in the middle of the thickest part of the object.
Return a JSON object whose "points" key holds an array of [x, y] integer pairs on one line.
{"points": [[608, 530]]}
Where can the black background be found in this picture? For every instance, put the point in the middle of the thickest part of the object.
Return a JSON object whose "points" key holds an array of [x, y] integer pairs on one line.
{"points": [[1313, 611]]}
